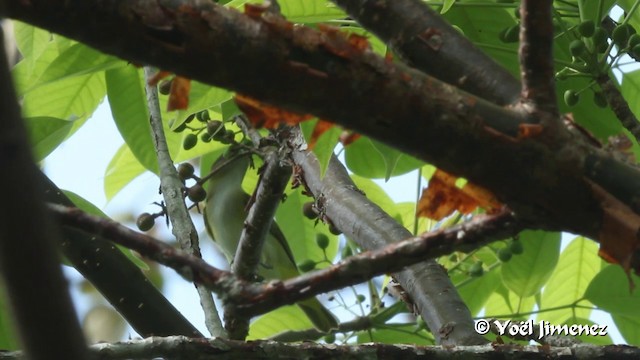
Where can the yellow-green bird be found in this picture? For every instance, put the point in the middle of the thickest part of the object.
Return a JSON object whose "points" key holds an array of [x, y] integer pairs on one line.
{"points": [[224, 219]]}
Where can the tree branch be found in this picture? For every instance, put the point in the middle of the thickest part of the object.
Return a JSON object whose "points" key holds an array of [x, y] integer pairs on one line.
{"points": [[536, 56], [619, 106], [180, 347], [30, 271], [273, 181], [172, 192], [427, 42]]}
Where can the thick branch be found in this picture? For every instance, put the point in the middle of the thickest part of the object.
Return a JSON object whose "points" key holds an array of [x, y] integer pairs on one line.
{"points": [[536, 55], [172, 192], [427, 42], [180, 347], [29, 266], [619, 106]]}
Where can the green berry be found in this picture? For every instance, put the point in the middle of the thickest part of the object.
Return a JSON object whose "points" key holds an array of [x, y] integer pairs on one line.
{"points": [[599, 37], [360, 298], [205, 137], [322, 240], [516, 247], [453, 257], [182, 127], [333, 229], [510, 34], [571, 97], [577, 48], [621, 34], [214, 127], [307, 265], [634, 40], [189, 141], [228, 137], [203, 116], [190, 118], [476, 269], [196, 193], [330, 338], [309, 211], [145, 221], [599, 99], [504, 254], [587, 28], [636, 50], [165, 87], [185, 171]]}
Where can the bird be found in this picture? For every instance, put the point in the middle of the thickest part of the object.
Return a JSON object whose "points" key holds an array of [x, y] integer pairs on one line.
{"points": [[225, 214]]}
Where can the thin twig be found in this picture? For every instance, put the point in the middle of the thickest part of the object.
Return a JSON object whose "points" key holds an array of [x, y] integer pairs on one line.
{"points": [[172, 192]]}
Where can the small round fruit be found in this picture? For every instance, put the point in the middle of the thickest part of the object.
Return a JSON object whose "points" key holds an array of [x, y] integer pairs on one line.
{"points": [[330, 338], [309, 211], [636, 51], [571, 97], [360, 298], [165, 87], [577, 48], [516, 247], [205, 137], [504, 254], [145, 221], [476, 269], [185, 171], [599, 37], [214, 127], [189, 141], [182, 127], [634, 40], [599, 99], [196, 193], [203, 116], [230, 136], [322, 241], [307, 265], [587, 28], [621, 34], [190, 118], [510, 34], [333, 229]]}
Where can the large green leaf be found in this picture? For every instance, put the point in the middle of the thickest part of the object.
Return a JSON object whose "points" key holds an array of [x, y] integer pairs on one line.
{"points": [[525, 274], [301, 232], [128, 103], [122, 169], [8, 337], [31, 41], [507, 304], [578, 264], [286, 318], [629, 327], [611, 291], [476, 291], [296, 11], [46, 133], [372, 159]]}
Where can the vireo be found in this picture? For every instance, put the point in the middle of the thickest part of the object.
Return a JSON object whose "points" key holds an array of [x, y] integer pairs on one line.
{"points": [[225, 215]]}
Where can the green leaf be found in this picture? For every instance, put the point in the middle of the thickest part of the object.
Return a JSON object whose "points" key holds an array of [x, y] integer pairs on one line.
{"points": [[578, 264], [525, 274], [296, 11], [377, 195], [396, 334], [286, 318], [446, 5], [71, 98], [122, 169], [610, 291], [504, 302], [128, 101], [371, 159], [46, 133], [31, 41], [629, 327], [77, 60], [27, 72], [8, 337], [476, 291], [300, 232]]}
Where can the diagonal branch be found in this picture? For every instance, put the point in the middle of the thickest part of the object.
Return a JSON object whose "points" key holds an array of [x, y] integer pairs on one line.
{"points": [[172, 191], [427, 42], [619, 106], [536, 55], [105, 266]]}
